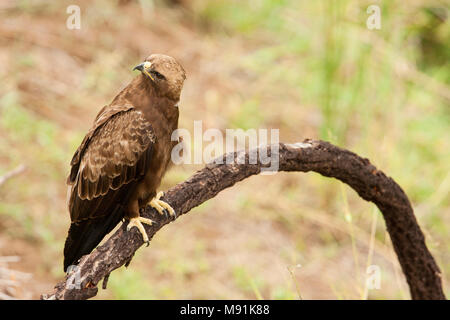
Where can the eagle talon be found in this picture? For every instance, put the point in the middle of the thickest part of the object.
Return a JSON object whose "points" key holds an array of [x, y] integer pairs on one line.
{"points": [[161, 206], [138, 223]]}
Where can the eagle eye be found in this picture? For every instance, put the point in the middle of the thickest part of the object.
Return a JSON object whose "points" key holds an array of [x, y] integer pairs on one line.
{"points": [[158, 75]]}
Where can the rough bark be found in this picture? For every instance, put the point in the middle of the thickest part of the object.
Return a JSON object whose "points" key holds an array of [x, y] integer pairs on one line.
{"points": [[418, 265]]}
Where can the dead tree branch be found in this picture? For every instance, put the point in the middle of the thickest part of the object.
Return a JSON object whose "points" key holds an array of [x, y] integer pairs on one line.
{"points": [[419, 266], [11, 174]]}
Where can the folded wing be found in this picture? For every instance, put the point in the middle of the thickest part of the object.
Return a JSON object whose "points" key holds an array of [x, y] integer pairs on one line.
{"points": [[105, 170]]}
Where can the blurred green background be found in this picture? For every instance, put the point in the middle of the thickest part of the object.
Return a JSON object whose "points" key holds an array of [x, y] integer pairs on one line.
{"points": [[309, 68]]}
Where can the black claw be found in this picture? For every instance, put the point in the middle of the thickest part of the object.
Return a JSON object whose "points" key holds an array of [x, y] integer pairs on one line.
{"points": [[147, 243]]}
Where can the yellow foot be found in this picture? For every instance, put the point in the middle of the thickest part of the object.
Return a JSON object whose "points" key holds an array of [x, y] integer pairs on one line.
{"points": [[137, 222], [160, 205]]}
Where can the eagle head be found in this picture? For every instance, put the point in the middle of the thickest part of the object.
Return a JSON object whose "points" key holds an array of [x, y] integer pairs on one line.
{"points": [[164, 73]]}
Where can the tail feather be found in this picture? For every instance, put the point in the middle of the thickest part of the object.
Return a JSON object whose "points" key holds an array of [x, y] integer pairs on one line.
{"points": [[84, 236]]}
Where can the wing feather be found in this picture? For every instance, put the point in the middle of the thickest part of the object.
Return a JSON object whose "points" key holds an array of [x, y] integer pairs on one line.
{"points": [[112, 159], [109, 159]]}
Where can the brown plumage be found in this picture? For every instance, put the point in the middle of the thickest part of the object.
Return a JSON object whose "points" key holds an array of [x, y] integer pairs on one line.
{"points": [[122, 159]]}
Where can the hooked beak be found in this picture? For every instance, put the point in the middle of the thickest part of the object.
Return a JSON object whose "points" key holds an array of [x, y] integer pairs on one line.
{"points": [[139, 67], [144, 67]]}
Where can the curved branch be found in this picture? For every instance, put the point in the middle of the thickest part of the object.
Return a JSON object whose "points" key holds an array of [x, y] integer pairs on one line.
{"points": [[419, 266]]}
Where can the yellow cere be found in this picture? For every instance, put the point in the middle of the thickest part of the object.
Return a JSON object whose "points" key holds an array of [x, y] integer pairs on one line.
{"points": [[147, 65]]}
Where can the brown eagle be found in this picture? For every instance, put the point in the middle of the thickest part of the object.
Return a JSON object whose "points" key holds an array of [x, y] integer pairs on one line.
{"points": [[120, 163]]}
